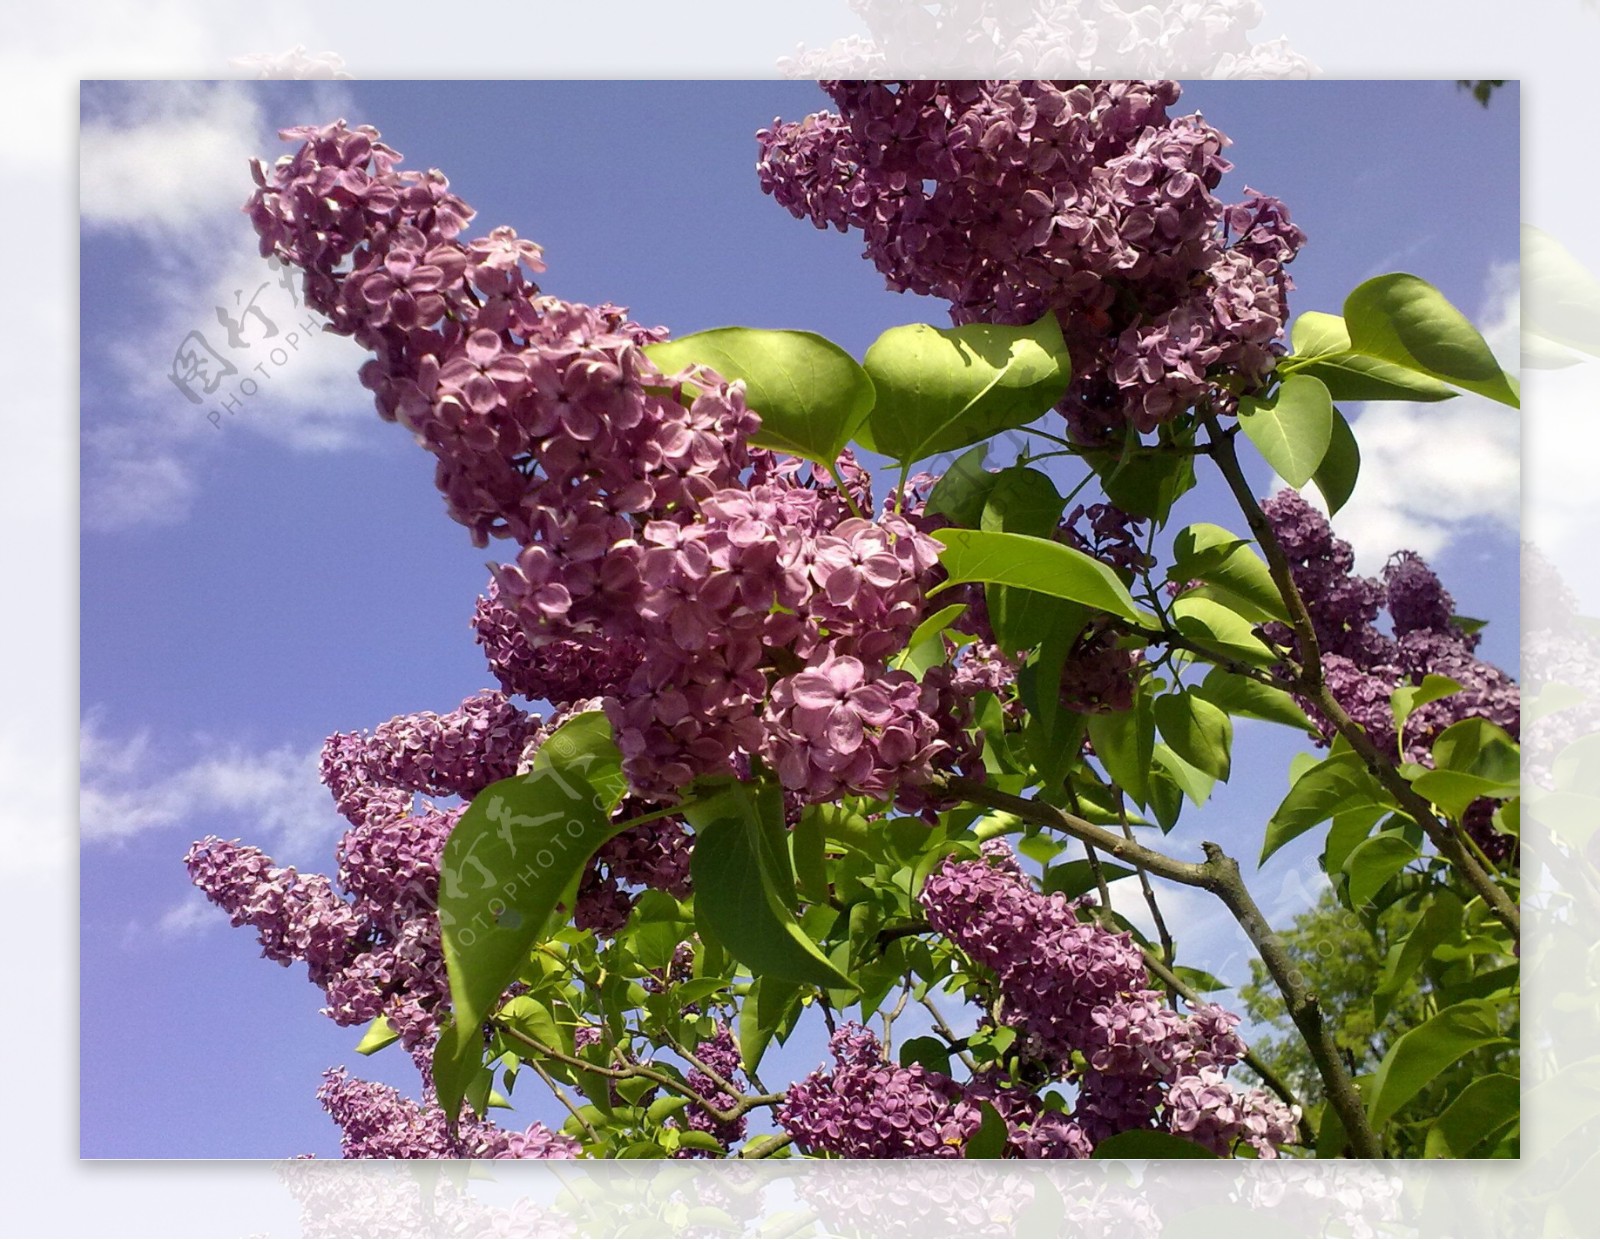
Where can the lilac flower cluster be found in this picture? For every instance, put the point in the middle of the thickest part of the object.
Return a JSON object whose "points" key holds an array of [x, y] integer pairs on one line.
{"points": [[868, 1108], [719, 1054], [297, 917], [455, 754], [1079, 997], [654, 854], [1100, 675], [377, 1121], [376, 954], [1364, 665], [1084, 199], [375, 950], [661, 559], [552, 671]]}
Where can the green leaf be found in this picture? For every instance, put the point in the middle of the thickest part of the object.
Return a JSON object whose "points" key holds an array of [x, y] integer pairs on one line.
{"points": [[940, 389], [1349, 828], [515, 851], [1479, 1111], [1219, 630], [1336, 476], [1322, 350], [1199, 733], [1422, 1053], [1147, 1143], [1440, 923], [1453, 791], [1293, 429], [810, 393], [1054, 735], [1472, 759], [734, 900], [661, 1108], [1407, 698], [809, 847], [380, 1033], [1226, 562], [963, 489], [1145, 484], [990, 1139], [1036, 564], [1195, 783], [1074, 878], [1373, 862], [1336, 783], [1478, 747], [1023, 501], [772, 1002], [1125, 742], [1199, 979], [1239, 695], [1402, 319], [1165, 798], [930, 1052], [535, 1020], [926, 647]]}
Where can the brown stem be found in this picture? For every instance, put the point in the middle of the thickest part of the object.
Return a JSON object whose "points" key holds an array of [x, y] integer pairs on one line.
{"points": [[563, 1098], [1218, 874], [942, 1027], [637, 1071], [765, 1147], [1167, 950], [1309, 681], [1269, 1078]]}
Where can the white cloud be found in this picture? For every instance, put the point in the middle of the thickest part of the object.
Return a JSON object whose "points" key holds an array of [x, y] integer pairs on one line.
{"points": [[192, 916], [168, 160], [128, 789], [1433, 473], [164, 171]]}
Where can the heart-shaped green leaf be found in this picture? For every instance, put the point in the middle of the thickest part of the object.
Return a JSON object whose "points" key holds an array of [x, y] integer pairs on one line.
{"points": [[1293, 429], [941, 389], [1403, 319], [515, 852], [1036, 564], [810, 393]]}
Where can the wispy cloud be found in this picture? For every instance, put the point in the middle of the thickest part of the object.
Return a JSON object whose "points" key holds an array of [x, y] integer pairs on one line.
{"points": [[1434, 473], [131, 787], [190, 917], [219, 345]]}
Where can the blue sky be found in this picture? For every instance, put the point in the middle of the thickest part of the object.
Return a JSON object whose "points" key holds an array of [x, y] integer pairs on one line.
{"points": [[250, 587]]}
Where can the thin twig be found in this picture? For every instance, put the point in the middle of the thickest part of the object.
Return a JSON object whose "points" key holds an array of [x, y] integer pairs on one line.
{"points": [[1218, 874], [563, 1098], [765, 1147], [637, 1071], [1310, 683], [942, 1026], [1269, 1078], [1167, 951]]}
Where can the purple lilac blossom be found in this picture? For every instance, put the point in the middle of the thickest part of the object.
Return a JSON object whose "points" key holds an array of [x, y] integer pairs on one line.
{"points": [[377, 1121], [651, 538], [1079, 997], [1362, 664], [1087, 200]]}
